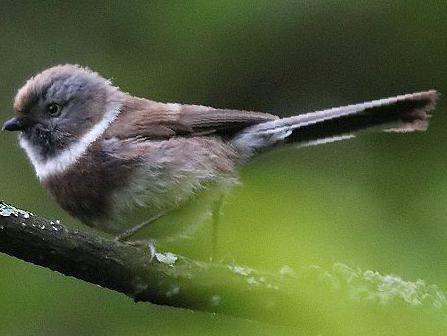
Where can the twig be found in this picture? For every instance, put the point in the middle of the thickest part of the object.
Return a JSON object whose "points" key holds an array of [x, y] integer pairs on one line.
{"points": [[166, 279]]}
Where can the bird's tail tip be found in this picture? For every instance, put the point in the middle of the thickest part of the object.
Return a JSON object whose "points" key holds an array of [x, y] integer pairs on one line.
{"points": [[417, 118]]}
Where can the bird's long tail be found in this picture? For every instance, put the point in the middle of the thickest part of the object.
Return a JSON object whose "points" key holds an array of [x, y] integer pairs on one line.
{"points": [[403, 113]]}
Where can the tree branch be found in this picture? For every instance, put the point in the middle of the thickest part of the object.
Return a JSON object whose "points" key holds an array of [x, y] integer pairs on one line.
{"points": [[166, 279]]}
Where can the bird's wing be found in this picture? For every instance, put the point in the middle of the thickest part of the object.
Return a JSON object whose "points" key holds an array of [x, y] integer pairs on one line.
{"points": [[141, 118]]}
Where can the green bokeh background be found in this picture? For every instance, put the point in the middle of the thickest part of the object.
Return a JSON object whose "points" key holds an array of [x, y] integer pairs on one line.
{"points": [[375, 203]]}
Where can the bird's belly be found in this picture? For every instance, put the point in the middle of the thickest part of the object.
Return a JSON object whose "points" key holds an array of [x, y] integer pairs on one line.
{"points": [[185, 199], [180, 221]]}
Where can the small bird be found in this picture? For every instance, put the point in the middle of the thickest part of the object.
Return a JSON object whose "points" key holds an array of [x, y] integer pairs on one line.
{"points": [[101, 152]]}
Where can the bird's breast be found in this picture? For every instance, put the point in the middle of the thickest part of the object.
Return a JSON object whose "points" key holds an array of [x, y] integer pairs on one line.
{"points": [[86, 190]]}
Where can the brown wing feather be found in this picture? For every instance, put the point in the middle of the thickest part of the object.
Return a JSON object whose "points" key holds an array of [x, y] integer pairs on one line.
{"points": [[148, 119]]}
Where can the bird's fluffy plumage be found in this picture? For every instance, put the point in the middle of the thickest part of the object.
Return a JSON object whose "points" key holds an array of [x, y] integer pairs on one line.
{"points": [[108, 151]]}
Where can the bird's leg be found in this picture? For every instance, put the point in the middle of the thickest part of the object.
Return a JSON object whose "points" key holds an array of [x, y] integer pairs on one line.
{"points": [[134, 229], [216, 212], [147, 244]]}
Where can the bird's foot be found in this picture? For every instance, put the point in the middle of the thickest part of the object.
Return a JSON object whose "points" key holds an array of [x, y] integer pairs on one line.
{"points": [[147, 245]]}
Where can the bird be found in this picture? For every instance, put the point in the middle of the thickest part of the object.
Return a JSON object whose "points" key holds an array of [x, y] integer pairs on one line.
{"points": [[102, 153]]}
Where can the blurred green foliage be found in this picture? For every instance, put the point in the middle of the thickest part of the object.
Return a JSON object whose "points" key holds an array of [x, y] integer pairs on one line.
{"points": [[372, 204]]}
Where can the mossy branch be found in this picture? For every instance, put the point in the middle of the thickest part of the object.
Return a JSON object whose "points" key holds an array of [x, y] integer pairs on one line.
{"points": [[165, 279]]}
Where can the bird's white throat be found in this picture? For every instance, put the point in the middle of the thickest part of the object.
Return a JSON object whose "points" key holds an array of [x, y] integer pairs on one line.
{"points": [[69, 156]]}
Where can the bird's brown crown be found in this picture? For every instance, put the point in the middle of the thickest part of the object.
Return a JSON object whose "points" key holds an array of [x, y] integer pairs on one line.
{"points": [[61, 81]]}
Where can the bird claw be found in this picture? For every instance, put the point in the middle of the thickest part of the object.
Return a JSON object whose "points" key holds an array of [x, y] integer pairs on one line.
{"points": [[148, 246]]}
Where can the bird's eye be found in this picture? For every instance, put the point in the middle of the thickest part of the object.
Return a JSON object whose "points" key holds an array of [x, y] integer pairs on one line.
{"points": [[54, 109]]}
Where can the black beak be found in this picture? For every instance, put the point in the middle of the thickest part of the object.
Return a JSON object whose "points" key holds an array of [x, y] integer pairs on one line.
{"points": [[15, 124]]}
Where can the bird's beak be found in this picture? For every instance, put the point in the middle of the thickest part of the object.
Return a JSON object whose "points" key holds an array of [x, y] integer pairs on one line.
{"points": [[15, 124]]}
